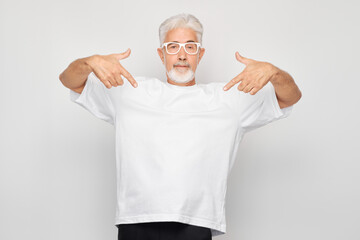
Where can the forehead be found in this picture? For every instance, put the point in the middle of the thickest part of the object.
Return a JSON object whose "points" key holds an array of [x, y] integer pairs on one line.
{"points": [[181, 35]]}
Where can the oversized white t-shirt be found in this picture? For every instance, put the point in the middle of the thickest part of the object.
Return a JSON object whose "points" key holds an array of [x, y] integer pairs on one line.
{"points": [[175, 145]]}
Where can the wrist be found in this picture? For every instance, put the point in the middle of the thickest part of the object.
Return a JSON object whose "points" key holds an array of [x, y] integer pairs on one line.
{"points": [[91, 61], [274, 75]]}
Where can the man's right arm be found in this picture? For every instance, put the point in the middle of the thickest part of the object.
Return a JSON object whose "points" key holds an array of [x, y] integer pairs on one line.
{"points": [[106, 67]]}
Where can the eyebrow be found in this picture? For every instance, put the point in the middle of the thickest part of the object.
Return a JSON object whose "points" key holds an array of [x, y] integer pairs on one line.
{"points": [[187, 41]]}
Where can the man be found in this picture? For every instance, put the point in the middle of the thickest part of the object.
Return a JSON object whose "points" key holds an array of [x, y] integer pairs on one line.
{"points": [[176, 141]]}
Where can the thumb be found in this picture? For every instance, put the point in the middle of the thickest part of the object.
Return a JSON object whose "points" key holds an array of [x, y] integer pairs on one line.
{"points": [[123, 55], [241, 59]]}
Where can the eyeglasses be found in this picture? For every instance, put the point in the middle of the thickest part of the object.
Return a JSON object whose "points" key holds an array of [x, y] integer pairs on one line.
{"points": [[191, 48]]}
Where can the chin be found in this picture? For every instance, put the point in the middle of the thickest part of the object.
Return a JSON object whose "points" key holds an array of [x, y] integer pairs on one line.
{"points": [[182, 77]]}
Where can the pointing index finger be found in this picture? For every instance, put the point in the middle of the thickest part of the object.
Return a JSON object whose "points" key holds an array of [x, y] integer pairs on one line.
{"points": [[232, 82], [129, 77]]}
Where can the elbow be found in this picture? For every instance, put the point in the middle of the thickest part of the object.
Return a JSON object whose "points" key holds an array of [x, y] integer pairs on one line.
{"points": [[299, 95], [297, 98], [61, 77]]}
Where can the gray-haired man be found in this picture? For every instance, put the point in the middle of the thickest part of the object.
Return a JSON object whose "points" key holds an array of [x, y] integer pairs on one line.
{"points": [[176, 141]]}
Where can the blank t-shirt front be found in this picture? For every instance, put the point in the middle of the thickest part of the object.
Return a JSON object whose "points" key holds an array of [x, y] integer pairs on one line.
{"points": [[175, 145]]}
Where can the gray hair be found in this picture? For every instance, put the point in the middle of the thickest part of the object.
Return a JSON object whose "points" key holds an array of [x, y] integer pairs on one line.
{"points": [[182, 20]]}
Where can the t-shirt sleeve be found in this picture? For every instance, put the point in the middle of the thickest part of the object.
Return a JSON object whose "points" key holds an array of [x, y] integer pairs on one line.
{"points": [[95, 98], [260, 109]]}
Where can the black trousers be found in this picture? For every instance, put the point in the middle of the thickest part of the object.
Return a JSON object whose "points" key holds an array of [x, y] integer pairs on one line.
{"points": [[162, 231]]}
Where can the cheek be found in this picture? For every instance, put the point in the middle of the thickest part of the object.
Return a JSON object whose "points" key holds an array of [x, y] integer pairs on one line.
{"points": [[169, 62], [193, 64], [169, 66]]}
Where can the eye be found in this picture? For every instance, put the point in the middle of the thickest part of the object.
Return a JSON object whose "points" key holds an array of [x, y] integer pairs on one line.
{"points": [[173, 46], [191, 45]]}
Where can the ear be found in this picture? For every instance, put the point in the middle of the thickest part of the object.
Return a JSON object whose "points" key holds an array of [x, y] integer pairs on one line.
{"points": [[202, 51], [161, 54]]}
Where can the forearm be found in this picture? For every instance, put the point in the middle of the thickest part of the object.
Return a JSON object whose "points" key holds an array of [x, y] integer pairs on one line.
{"points": [[75, 75], [287, 92]]}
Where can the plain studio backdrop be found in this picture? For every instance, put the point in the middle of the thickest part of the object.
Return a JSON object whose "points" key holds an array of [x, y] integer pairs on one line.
{"points": [[297, 178]]}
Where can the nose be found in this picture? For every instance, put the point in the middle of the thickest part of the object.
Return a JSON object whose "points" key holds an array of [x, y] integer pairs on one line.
{"points": [[182, 54]]}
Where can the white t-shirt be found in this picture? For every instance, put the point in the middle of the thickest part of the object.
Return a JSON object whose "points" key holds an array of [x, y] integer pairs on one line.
{"points": [[175, 145]]}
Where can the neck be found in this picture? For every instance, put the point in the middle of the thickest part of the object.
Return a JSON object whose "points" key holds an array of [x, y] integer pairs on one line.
{"points": [[191, 83]]}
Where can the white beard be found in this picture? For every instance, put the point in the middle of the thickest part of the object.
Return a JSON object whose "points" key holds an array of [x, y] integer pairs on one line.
{"points": [[181, 77]]}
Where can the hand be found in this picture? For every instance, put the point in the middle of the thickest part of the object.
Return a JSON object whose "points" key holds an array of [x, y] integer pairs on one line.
{"points": [[254, 77], [109, 70]]}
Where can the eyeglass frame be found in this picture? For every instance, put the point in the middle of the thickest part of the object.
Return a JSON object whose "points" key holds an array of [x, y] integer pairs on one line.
{"points": [[198, 46]]}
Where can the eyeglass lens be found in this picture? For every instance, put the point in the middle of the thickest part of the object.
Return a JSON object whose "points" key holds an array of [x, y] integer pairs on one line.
{"points": [[191, 48]]}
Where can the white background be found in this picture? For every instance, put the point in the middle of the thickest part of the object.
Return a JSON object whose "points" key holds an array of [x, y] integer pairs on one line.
{"points": [[296, 179]]}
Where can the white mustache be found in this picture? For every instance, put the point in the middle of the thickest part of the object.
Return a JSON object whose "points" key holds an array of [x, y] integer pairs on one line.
{"points": [[182, 64]]}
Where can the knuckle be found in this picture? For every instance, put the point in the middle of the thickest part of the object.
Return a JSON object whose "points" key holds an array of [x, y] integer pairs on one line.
{"points": [[104, 80], [107, 76], [108, 79], [114, 72], [96, 57], [126, 74], [107, 85], [118, 72], [116, 76]]}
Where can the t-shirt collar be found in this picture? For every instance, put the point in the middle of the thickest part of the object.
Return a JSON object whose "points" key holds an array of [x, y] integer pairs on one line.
{"points": [[181, 87]]}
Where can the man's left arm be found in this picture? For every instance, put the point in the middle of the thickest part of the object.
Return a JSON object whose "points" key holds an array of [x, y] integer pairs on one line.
{"points": [[287, 92], [257, 74]]}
